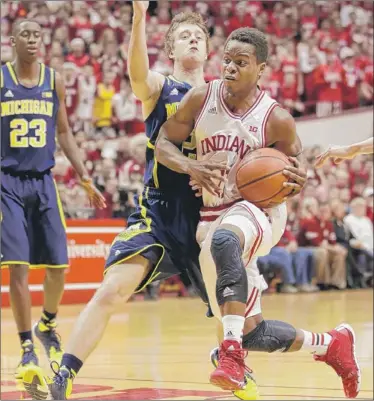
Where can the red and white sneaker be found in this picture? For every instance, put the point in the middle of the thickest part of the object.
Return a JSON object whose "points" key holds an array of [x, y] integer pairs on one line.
{"points": [[341, 357], [229, 374]]}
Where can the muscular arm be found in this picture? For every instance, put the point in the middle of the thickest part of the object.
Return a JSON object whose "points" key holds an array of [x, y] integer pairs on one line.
{"points": [[177, 129], [281, 134], [146, 84], [65, 137]]}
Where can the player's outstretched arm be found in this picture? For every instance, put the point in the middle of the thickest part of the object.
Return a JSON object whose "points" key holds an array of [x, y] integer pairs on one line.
{"points": [[175, 131], [71, 150], [281, 133], [146, 84], [340, 153]]}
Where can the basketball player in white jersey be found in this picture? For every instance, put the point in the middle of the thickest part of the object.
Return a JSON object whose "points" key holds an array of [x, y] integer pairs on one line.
{"points": [[340, 153], [232, 117]]}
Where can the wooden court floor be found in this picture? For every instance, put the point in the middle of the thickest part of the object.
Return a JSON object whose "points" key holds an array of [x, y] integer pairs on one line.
{"points": [[160, 350]]}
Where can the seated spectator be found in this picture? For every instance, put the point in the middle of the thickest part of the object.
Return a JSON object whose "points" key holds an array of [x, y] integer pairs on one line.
{"points": [[317, 232], [280, 258], [295, 264], [355, 273], [360, 226]]}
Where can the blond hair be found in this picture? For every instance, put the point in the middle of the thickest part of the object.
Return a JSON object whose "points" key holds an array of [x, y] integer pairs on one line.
{"points": [[184, 18]]}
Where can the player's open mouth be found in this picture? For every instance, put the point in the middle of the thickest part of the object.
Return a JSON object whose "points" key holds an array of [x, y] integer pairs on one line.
{"points": [[229, 78]]}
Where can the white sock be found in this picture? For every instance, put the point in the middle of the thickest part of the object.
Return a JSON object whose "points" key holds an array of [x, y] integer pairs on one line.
{"points": [[233, 326], [316, 343]]}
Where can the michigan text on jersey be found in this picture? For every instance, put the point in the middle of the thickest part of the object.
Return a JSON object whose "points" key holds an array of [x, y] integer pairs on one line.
{"points": [[26, 106]]}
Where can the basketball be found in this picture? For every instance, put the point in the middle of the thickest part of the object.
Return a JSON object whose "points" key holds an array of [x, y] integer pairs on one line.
{"points": [[260, 177]]}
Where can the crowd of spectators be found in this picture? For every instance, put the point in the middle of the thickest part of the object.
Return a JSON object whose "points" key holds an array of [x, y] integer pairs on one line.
{"points": [[321, 62], [328, 241]]}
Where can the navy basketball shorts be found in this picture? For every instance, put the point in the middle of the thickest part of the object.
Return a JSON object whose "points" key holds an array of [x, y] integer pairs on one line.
{"points": [[162, 230], [32, 222]]}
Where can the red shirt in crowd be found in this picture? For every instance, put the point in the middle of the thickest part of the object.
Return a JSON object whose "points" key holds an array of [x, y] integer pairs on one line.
{"points": [[100, 28], [324, 39], [107, 212], [287, 237], [341, 36], [288, 93], [271, 87], [81, 28], [329, 83], [313, 232], [290, 66], [350, 87], [71, 96], [309, 22], [236, 22], [80, 61], [368, 74]]}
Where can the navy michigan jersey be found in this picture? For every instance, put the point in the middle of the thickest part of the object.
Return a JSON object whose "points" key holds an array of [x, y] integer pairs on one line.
{"points": [[28, 121], [156, 175]]}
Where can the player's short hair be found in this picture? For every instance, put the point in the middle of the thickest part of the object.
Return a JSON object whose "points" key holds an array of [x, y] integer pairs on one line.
{"points": [[253, 37], [184, 18], [16, 24]]}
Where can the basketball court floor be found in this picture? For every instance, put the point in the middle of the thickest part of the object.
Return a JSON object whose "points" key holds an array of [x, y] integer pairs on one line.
{"points": [[160, 350]]}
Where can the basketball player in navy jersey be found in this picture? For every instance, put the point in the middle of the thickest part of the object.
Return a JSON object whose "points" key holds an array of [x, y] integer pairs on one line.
{"points": [[160, 238], [33, 225]]}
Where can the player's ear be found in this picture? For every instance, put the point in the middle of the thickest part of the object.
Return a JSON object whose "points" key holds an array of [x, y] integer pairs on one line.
{"points": [[12, 41], [261, 69]]}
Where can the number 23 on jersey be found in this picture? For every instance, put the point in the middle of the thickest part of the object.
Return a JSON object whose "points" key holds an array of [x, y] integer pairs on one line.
{"points": [[20, 130]]}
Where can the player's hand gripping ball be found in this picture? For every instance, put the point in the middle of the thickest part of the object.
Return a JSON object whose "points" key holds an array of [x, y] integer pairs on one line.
{"points": [[266, 177]]}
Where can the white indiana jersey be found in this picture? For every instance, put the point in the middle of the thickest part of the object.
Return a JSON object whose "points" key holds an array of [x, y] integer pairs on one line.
{"points": [[225, 137]]}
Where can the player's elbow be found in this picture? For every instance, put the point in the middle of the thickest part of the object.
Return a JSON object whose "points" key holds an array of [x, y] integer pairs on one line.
{"points": [[141, 91]]}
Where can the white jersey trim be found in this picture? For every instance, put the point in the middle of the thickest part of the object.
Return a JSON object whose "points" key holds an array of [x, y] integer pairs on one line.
{"points": [[266, 118], [237, 116]]}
